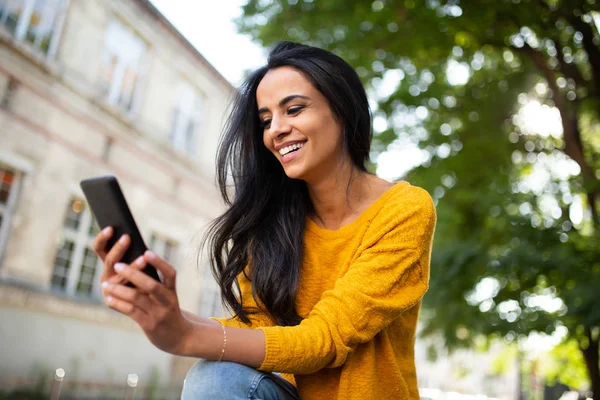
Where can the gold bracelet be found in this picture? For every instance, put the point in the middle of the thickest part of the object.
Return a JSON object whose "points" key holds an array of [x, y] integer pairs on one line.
{"points": [[224, 342]]}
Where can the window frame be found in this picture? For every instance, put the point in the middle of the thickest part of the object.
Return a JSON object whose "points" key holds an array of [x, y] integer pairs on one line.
{"points": [[158, 243], [7, 211], [108, 90], [188, 108], [24, 22], [22, 167], [82, 240], [210, 296]]}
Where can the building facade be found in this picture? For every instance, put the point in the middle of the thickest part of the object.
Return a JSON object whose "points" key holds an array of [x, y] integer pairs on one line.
{"points": [[90, 88]]}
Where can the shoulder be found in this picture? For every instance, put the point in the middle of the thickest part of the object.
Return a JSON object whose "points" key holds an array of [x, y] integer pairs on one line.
{"points": [[405, 207], [406, 199]]}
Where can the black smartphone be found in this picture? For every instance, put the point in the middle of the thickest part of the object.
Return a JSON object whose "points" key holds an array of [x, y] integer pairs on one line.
{"points": [[110, 208]]}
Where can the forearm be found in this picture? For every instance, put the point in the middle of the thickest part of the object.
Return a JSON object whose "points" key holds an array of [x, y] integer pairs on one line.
{"points": [[206, 340], [193, 317]]}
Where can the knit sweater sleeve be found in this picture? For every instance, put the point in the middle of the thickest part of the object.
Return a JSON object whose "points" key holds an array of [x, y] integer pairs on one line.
{"points": [[388, 276]]}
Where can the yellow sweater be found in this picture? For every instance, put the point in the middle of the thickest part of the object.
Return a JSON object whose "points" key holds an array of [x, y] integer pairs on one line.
{"points": [[359, 296]]}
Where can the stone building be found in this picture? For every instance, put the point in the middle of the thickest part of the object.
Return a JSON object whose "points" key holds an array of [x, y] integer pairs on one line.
{"points": [[91, 88]]}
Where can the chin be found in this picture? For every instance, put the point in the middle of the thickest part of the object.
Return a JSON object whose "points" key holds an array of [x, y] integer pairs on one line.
{"points": [[293, 175], [295, 172]]}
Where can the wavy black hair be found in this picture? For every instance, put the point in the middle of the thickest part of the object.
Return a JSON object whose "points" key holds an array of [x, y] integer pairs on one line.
{"points": [[263, 227]]}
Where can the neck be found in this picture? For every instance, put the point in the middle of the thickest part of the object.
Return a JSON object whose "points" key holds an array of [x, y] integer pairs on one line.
{"points": [[335, 203]]}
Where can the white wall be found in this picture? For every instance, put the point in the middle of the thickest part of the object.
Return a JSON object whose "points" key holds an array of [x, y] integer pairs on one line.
{"points": [[86, 350]]}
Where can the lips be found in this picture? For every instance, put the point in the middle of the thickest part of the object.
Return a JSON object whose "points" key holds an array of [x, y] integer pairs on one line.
{"points": [[292, 155], [281, 146], [288, 149]]}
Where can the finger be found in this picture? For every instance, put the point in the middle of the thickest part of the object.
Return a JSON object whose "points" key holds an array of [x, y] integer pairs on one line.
{"points": [[128, 309], [144, 283], [101, 240], [139, 264], [129, 295], [116, 252], [169, 273]]}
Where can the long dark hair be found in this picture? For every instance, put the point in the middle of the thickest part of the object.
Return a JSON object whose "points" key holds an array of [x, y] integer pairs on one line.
{"points": [[263, 227]]}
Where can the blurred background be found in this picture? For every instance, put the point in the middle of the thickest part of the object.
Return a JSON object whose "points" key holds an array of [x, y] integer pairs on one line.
{"points": [[492, 106]]}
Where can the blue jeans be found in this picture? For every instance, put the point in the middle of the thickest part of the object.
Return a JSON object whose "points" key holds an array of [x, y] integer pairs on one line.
{"points": [[226, 380]]}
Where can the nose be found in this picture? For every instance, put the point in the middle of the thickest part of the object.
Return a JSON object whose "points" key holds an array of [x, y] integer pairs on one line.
{"points": [[279, 128]]}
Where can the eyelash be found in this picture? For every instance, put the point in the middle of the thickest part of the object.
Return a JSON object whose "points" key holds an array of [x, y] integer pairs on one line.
{"points": [[295, 110]]}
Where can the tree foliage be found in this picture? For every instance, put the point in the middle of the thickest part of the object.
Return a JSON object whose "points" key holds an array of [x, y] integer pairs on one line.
{"points": [[564, 364], [512, 254]]}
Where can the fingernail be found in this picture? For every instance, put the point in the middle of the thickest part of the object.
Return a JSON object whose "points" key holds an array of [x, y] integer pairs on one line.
{"points": [[123, 239], [109, 299], [119, 267], [150, 255], [106, 231], [140, 261], [104, 284]]}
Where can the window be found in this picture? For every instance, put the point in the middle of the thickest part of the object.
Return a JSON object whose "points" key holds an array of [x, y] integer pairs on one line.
{"points": [[164, 248], [37, 22], [76, 266], [9, 182], [121, 66], [186, 119], [210, 304], [210, 296]]}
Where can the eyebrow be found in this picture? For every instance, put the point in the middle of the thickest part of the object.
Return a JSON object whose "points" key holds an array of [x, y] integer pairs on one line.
{"points": [[284, 101]]}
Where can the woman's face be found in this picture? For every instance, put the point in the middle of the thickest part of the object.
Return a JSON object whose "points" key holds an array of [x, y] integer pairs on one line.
{"points": [[299, 127]]}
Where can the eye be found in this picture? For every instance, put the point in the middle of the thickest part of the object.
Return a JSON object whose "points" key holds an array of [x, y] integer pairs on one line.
{"points": [[295, 110], [265, 124]]}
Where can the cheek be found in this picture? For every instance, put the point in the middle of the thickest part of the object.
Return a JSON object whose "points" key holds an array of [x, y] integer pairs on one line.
{"points": [[333, 140], [268, 143]]}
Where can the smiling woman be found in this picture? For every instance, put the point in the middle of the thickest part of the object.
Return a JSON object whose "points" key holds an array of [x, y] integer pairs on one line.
{"points": [[300, 123], [322, 263]]}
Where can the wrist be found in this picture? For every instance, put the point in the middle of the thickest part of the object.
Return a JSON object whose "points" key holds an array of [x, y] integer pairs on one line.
{"points": [[191, 334], [203, 339]]}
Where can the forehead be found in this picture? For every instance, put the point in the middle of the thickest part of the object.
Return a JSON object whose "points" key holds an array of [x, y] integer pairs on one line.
{"points": [[281, 82]]}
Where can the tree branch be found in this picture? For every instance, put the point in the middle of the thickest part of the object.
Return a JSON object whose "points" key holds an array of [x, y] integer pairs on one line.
{"points": [[571, 134], [571, 70], [590, 356], [591, 49]]}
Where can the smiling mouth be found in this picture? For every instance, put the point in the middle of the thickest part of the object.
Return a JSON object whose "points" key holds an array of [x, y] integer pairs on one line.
{"points": [[290, 149]]}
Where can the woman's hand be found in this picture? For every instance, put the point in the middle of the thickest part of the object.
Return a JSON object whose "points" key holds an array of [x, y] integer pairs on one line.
{"points": [[111, 257], [153, 305]]}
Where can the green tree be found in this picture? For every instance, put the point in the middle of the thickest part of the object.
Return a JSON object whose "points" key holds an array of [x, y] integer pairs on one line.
{"points": [[511, 255], [564, 364]]}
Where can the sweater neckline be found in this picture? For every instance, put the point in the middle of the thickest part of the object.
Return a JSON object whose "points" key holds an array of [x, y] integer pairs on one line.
{"points": [[366, 214]]}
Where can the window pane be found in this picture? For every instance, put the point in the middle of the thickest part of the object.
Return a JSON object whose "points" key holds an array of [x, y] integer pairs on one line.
{"points": [[88, 269], [174, 123], [153, 240], [74, 213], [62, 264], [94, 228], [208, 302], [11, 11], [119, 72], [41, 23], [163, 247], [169, 251], [185, 118], [216, 305], [107, 71], [126, 91], [6, 181], [189, 140]]}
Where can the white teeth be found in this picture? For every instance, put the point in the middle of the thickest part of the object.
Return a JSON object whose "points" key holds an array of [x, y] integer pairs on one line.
{"points": [[292, 147]]}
